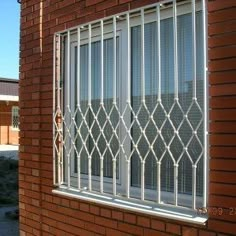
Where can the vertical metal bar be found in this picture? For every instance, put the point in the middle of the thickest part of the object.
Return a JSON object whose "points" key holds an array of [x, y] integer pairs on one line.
{"points": [[142, 179], [90, 173], [54, 70], [158, 182], [68, 69], [114, 177], [128, 58], [159, 50], [175, 48], [102, 61], [58, 104], [128, 178], [78, 99], [62, 104], [78, 172], [89, 65], [205, 80], [58, 63], [101, 174], [78, 66], [114, 60], [194, 184], [176, 184], [54, 107], [60, 177], [60, 71], [89, 101], [142, 57], [68, 170], [194, 48], [68, 103]]}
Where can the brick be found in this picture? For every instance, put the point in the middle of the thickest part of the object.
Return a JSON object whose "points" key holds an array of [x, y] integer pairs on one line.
{"points": [[186, 231], [222, 65], [226, 152], [65, 202], [223, 127], [221, 28], [93, 2], [151, 232], [115, 232], [74, 204], [222, 201], [106, 213], [73, 230], [105, 5], [219, 5], [224, 89], [117, 9], [223, 15], [222, 40], [26, 228], [128, 228], [141, 3], [95, 228], [105, 222], [22, 233], [223, 177], [94, 210], [223, 164], [223, 139], [84, 207], [117, 215], [206, 233], [63, 4], [172, 228], [130, 218], [158, 225], [144, 221], [222, 52], [124, 1], [223, 102]]}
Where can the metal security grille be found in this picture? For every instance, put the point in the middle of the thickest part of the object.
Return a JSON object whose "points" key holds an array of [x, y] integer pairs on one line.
{"points": [[15, 117], [130, 107]]}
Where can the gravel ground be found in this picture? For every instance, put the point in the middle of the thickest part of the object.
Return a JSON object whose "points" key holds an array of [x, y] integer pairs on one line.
{"points": [[8, 227]]}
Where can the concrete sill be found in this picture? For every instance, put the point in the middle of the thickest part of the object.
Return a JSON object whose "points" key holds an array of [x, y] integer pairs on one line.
{"points": [[180, 214]]}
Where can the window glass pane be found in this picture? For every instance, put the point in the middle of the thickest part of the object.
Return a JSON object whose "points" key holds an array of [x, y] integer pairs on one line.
{"points": [[97, 110], [167, 63], [135, 100], [176, 111]]}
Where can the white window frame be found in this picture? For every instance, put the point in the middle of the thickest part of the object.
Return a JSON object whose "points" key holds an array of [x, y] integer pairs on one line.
{"points": [[58, 165]]}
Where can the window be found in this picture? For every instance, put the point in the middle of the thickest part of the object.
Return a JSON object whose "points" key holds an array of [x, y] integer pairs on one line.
{"points": [[15, 117], [130, 108]]}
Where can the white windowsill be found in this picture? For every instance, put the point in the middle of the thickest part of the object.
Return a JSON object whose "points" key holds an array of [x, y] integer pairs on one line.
{"points": [[185, 215]]}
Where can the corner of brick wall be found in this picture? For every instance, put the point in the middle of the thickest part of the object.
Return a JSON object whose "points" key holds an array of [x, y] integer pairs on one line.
{"points": [[44, 213], [222, 114]]}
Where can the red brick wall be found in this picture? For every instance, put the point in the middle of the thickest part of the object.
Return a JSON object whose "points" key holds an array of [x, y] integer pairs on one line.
{"points": [[7, 134], [43, 213]]}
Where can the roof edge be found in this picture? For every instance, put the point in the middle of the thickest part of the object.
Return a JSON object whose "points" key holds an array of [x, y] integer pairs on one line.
{"points": [[10, 80]]}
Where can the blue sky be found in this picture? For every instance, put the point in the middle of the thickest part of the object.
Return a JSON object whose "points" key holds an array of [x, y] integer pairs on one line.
{"points": [[9, 40]]}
